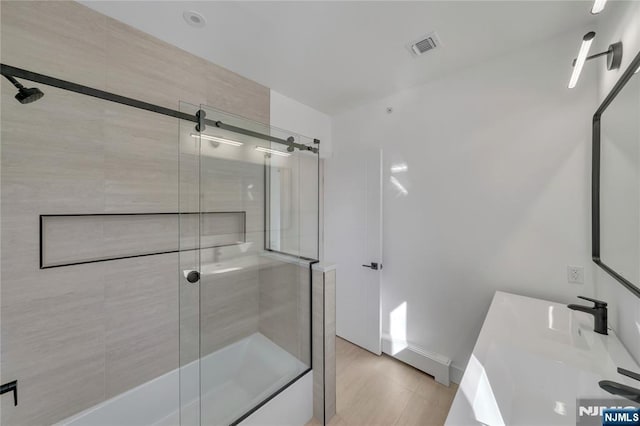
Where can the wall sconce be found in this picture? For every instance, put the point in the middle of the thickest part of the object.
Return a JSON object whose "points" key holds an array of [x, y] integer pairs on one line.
{"points": [[614, 57]]}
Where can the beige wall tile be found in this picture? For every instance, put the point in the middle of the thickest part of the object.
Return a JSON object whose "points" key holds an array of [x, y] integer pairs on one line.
{"points": [[53, 342], [149, 69], [58, 38], [141, 309], [52, 321], [142, 67], [317, 337], [141, 164], [100, 328], [233, 93], [330, 343], [304, 314], [324, 346], [280, 289], [229, 308], [52, 157]]}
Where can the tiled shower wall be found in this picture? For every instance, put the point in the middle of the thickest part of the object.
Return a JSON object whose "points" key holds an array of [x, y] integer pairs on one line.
{"points": [[229, 307], [77, 335], [284, 306]]}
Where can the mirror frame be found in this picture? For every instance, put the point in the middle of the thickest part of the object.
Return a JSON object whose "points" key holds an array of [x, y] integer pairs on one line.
{"points": [[595, 177]]}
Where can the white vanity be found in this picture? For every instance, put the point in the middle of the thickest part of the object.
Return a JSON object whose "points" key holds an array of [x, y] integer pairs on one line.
{"points": [[533, 359]]}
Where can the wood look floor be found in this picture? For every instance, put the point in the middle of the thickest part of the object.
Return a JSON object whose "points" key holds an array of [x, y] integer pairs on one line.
{"points": [[379, 390]]}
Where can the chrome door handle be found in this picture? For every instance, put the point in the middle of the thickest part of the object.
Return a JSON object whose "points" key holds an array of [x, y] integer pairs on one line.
{"points": [[373, 266]]}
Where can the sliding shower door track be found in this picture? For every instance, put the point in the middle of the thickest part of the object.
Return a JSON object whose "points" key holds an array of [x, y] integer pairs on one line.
{"points": [[10, 71]]}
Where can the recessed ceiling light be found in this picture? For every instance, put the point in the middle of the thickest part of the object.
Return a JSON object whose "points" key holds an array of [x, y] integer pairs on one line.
{"points": [[194, 18]]}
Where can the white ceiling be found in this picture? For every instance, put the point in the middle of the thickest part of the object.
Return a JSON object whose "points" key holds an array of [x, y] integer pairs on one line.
{"points": [[335, 55]]}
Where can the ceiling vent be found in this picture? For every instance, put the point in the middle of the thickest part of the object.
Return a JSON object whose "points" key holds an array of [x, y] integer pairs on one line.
{"points": [[424, 44]]}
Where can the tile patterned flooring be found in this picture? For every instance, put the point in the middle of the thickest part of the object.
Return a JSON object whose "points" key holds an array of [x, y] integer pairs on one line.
{"points": [[379, 390]]}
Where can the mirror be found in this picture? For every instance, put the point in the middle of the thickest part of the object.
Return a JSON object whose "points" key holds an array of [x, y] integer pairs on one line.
{"points": [[616, 181]]}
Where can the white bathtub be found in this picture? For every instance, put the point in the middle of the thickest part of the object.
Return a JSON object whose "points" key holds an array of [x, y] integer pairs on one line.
{"points": [[233, 380]]}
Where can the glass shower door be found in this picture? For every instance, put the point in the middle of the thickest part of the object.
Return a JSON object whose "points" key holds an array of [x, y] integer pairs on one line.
{"points": [[248, 233]]}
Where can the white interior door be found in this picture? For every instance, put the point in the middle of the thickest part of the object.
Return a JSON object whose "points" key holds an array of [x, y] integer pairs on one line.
{"points": [[354, 241]]}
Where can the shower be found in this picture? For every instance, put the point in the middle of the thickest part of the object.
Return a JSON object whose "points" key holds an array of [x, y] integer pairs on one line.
{"points": [[228, 233], [24, 95]]}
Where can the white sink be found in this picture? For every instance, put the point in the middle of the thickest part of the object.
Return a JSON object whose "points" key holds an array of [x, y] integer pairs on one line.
{"points": [[532, 361]]}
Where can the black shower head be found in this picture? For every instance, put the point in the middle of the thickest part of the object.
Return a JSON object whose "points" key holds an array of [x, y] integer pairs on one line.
{"points": [[24, 95]]}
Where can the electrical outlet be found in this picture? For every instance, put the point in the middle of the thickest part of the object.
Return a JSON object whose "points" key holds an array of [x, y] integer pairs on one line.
{"points": [[575, 274]]}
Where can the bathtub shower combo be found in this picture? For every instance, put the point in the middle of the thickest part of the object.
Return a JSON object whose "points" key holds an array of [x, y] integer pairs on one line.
{"points": [[223, 249]]}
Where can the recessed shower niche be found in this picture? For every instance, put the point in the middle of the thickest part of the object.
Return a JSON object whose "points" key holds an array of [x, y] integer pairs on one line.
{"points": [[73, 239]]}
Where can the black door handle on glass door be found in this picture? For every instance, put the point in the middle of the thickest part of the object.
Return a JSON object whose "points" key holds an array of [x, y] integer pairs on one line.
{"points": [[193, 277]]}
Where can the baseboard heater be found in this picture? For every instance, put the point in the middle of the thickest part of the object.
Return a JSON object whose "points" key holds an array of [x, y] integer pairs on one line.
{"points": [[434, 364]]}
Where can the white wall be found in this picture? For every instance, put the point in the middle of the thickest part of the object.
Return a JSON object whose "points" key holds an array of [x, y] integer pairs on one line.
{"points": [[619, 22], [287, 113], [498, 185]]}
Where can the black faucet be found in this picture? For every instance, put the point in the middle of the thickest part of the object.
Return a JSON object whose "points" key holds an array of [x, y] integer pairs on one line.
{"points": [[599, 312], [632, 394]]}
